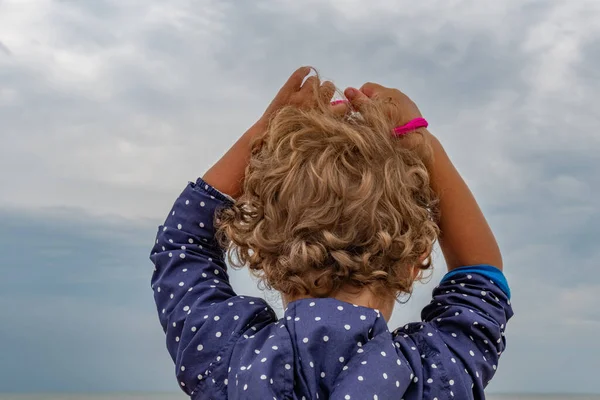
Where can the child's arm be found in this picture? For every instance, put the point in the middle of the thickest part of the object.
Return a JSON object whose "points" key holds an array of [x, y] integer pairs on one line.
{"points": [[465, 238], [454, 351], [198, 309]]}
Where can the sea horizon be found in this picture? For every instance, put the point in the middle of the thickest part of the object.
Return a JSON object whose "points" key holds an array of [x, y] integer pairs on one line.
{"points": [[181, 396]]}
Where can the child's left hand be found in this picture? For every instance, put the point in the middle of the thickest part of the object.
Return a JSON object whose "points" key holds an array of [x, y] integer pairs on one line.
{"points": [[227, 174], [295, 93]]}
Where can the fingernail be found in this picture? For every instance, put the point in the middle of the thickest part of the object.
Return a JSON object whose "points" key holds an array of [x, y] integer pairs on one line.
{"points": [[350, 92]]}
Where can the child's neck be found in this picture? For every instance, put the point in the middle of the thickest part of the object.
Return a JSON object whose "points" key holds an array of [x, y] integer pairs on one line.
{"points": [[361, 297]]}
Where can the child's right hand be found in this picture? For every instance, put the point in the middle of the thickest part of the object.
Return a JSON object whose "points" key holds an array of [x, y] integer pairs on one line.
{"points": [[400, 109]]}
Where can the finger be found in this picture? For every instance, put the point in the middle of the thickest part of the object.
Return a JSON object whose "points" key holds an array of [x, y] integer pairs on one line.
{"points": [[339, 107], [356, 98], [371, 89], [294, 83], [326, 91], [310, 86]]}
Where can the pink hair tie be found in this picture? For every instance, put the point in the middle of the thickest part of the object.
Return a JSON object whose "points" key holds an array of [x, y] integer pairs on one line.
{"points": [[336, 102], [411, 126]]}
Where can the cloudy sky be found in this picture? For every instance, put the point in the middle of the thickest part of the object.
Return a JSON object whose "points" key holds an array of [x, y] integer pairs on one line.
{"points": [[109, 107]]}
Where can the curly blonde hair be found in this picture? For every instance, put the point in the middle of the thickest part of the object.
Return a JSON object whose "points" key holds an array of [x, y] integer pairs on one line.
{"points": [[330, 201]]}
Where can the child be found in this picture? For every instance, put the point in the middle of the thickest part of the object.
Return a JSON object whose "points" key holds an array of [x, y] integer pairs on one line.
{"points": [[339, 215]]}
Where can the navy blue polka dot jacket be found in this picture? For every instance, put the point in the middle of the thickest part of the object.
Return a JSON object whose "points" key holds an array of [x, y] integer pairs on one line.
{"points": [[227, 346]]}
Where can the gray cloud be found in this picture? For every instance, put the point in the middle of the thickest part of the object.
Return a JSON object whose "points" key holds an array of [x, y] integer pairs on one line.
{"points": [[5, 49], [110, 108]]}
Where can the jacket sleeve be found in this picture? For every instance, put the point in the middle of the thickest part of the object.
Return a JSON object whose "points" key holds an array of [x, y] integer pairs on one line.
{"points": [[198, 309], [455, 350]]}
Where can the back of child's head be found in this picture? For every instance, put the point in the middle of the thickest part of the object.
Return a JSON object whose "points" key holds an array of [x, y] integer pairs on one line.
{"points": [[330, 201]]}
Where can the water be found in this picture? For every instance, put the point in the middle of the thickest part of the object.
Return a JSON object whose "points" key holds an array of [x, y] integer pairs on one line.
{"points": [[177, 396]]}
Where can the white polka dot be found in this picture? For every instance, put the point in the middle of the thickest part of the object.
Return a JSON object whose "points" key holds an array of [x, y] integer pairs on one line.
{"points": [[193, 329], [362, 317], [312, 304], [182, 368], [429, 334], [312, 365], [451, 382], [275, 347], [297, 319], [178, 226], [341, 359], [217, 273], [216, 318], [158, 289], [288, 366], [184, 270], [202, 204], [218, 334], [385, 376], [170, 254], [236, 317], [347, 327], [383, 353], [470, 276], [322, 374], [246, 387], [177, 338], [416, 380], [397, 384], [186, 308], [340, 308], [471, 353], [453, 360], [201, 224], [360, 378], [181, 255], [454, 335], [182, 384], [347, 397], [190, 240], [181, 283], [429, 380], [317, 318], [263, 377], [200, 347], [325, 338]]}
